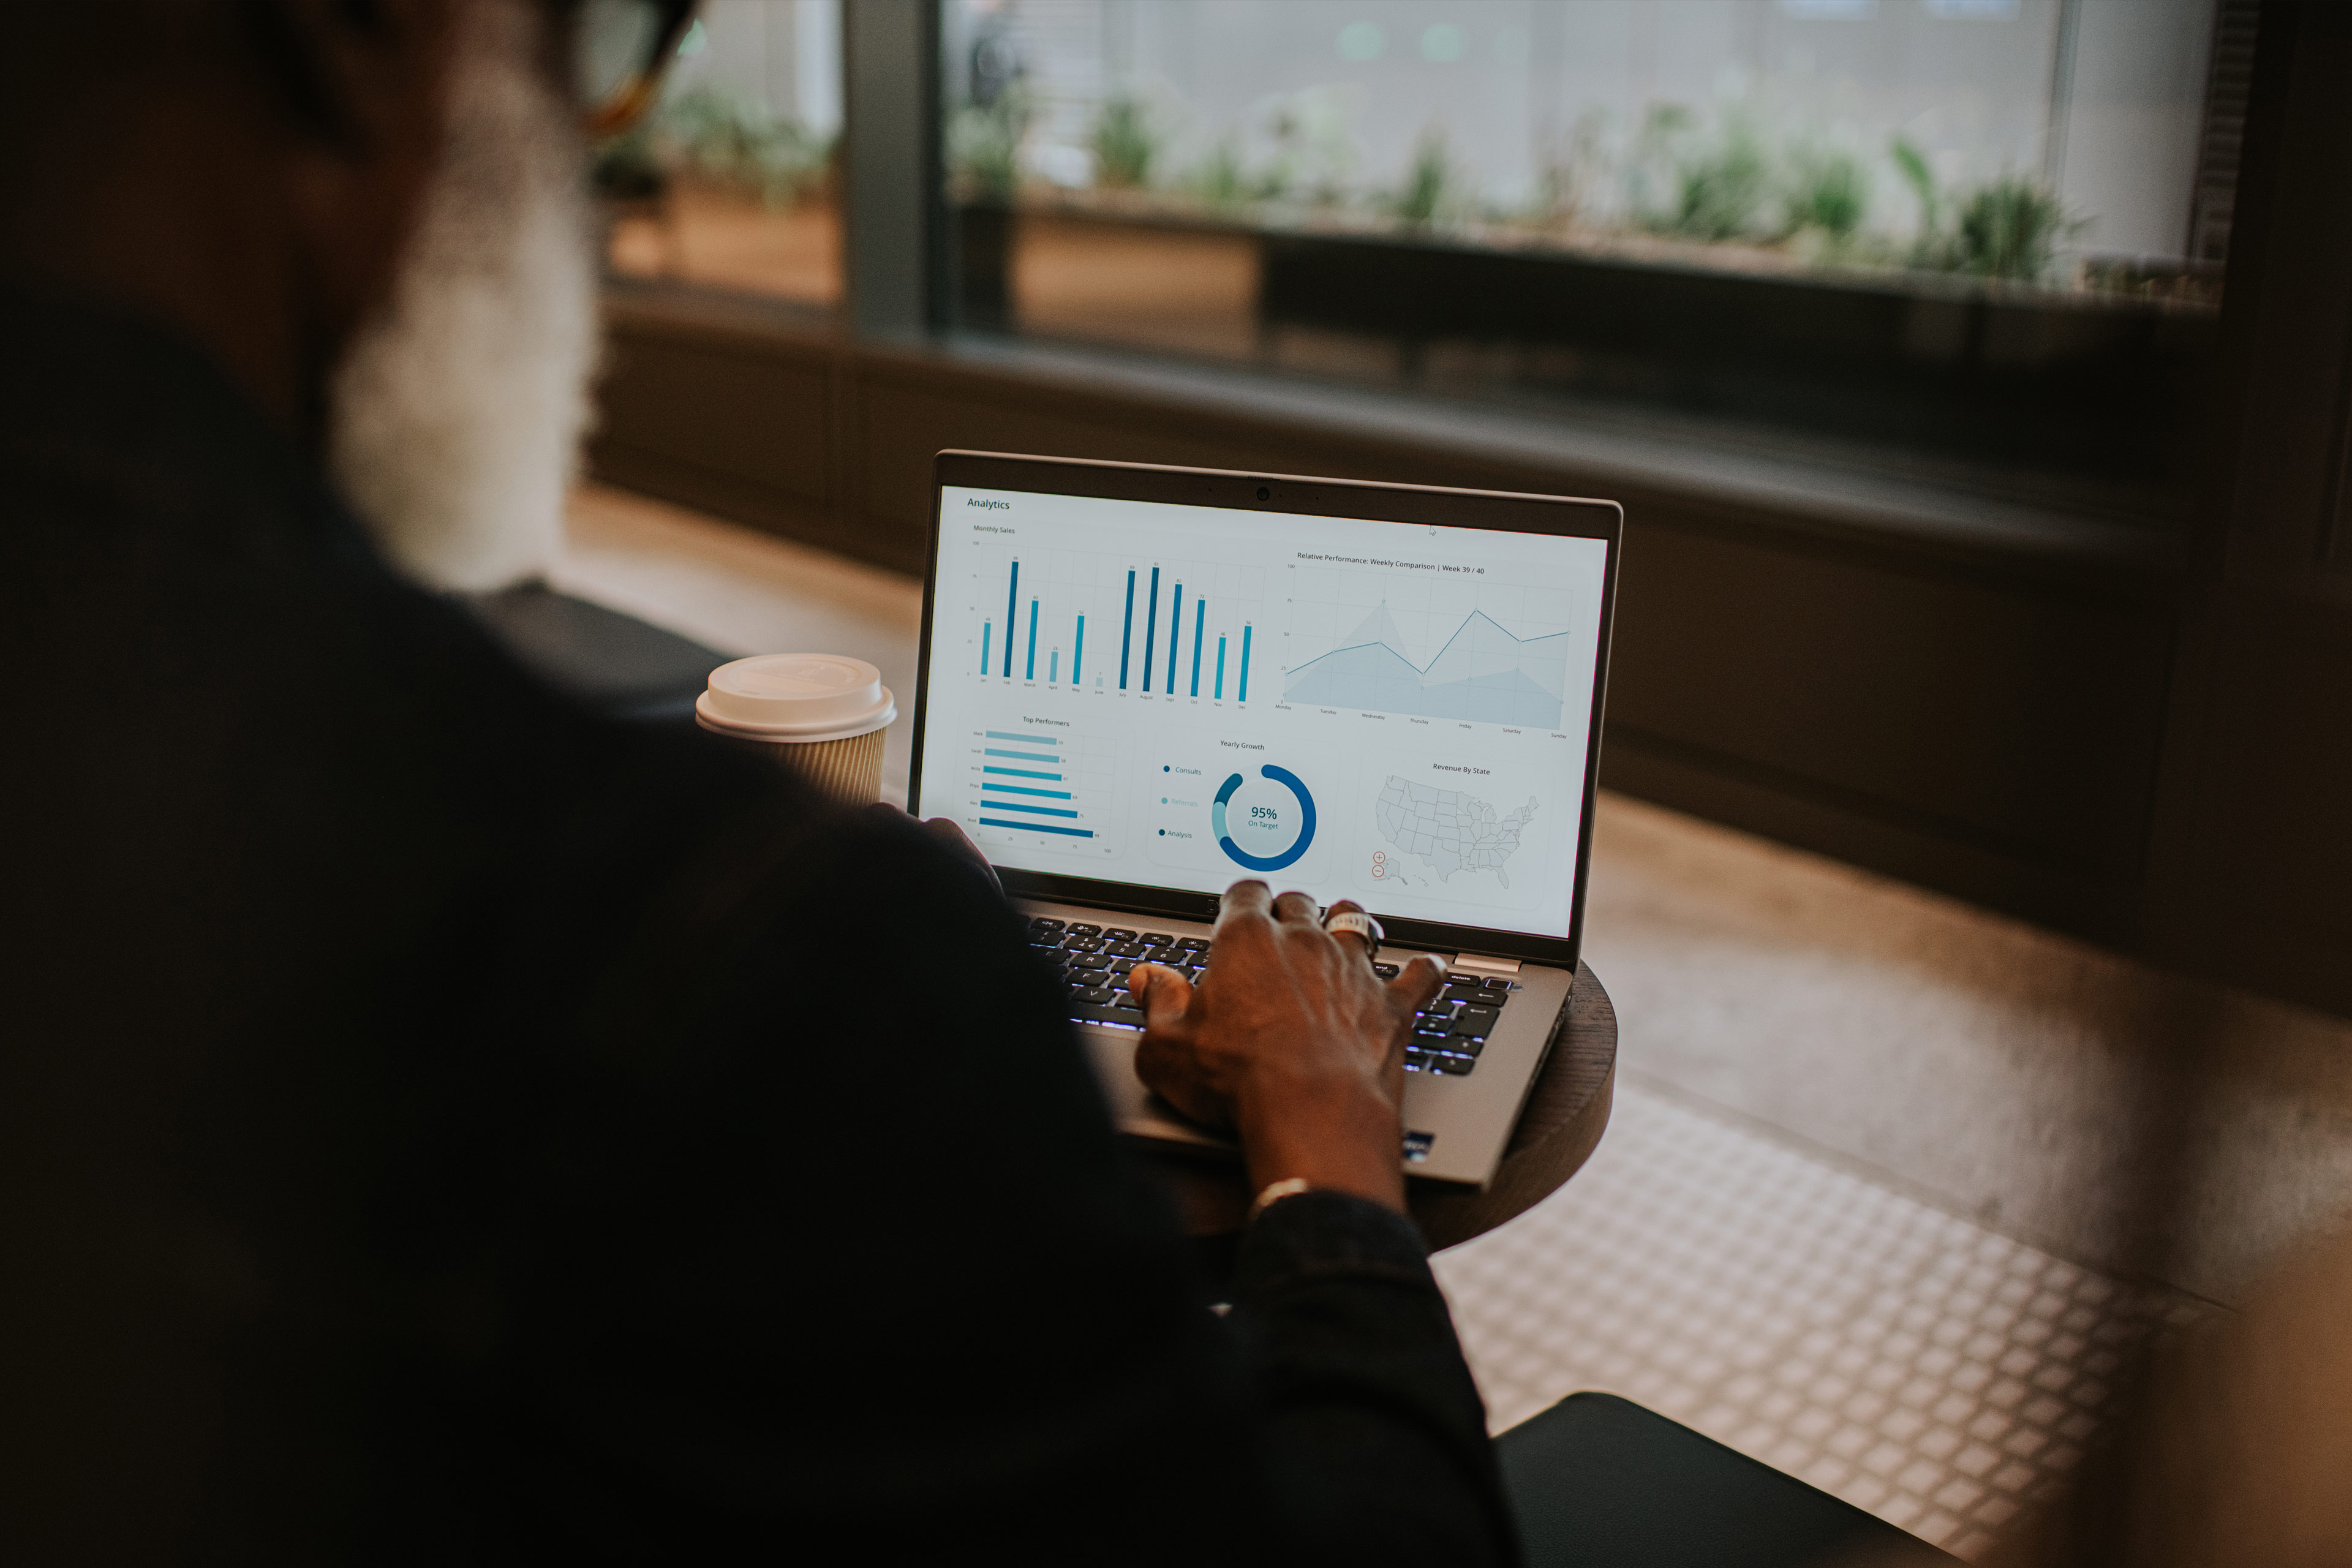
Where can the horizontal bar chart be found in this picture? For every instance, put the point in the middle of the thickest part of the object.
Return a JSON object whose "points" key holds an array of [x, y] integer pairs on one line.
{"points": [[1058, 785]]}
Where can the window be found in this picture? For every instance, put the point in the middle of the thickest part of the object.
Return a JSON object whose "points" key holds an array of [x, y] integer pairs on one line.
{"points": [[1951, 230], [730, 181]]}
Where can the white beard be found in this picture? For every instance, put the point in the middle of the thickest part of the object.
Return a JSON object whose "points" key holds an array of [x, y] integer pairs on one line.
{"points": [[456, 417]]}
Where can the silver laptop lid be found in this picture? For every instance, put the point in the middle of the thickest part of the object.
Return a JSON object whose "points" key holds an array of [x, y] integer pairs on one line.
{"points": [[1140, 684]]}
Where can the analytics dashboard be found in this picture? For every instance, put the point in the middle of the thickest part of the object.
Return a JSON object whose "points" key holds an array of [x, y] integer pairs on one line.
{"points": [[1181, 696]]}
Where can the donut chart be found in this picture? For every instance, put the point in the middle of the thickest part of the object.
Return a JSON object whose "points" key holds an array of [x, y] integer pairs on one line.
{"points": [[1288, 856]]}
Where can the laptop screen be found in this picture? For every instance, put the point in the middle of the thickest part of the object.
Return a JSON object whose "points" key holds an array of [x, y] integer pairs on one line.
{"points": [[1179, 696]]}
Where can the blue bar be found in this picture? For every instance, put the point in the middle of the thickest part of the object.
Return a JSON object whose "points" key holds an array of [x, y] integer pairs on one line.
{"points": [[1245, 691], [984, 629], [1030, 673], [1150, 627], [1126, 630], [1019, 756], [1023, 774], [1078, 652], [1024, 740], [1200, 620], [1175, 624], [1054, 666], [1040, 827], [1024, 789], [1040, 810], [1012, 594], [1220, 667]]}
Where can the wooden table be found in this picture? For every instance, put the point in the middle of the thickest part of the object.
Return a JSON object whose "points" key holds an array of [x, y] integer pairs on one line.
{"points": [[1566, 1113]]}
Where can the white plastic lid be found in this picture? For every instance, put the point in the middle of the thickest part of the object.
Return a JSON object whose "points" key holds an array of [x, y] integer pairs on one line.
{"points": [[797, 697]]}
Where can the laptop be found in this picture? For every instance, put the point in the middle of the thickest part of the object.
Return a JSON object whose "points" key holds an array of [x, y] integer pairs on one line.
{"points": [[1139, 685]]}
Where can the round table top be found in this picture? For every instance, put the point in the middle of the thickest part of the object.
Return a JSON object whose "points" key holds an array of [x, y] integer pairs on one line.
{"points": [[1566, 1113]]}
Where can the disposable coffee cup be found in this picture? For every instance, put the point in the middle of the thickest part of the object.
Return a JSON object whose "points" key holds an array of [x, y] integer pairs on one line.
{"points": [[825, 714]]}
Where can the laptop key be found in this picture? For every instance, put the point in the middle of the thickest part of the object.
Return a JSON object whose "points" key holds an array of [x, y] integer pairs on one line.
{"points": [[1464, 994], [1089, 961], [1085, 931], [1158, 939], [1099, 996], [1119, 933], [1476, 1022], [1452, 1065], [1194, 944], [1386, 971], [1125, 950]]}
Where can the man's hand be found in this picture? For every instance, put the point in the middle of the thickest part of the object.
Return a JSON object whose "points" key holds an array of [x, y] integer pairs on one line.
{"points": [[947, 831], [1291, 1040]]}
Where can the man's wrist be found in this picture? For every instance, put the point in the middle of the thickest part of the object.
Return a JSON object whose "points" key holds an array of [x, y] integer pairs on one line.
{"points": [[1354, 1148], [1274, 1193]]}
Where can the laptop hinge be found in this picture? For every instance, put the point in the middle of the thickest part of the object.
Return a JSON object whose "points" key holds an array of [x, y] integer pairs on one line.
{"points": [[1483, 967]]}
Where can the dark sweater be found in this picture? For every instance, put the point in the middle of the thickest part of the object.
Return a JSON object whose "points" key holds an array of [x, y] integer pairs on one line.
{"points": [[437, 1123]]}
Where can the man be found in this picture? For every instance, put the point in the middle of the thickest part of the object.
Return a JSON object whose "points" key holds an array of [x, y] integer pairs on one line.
{"points": [[435, 1123]]}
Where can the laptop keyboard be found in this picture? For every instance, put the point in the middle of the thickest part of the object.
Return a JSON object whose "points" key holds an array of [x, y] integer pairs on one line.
{"points": [[1092, 961]]}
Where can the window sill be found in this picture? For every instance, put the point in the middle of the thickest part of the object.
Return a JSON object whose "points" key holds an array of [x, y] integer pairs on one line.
{"points": [[1749, 478]]}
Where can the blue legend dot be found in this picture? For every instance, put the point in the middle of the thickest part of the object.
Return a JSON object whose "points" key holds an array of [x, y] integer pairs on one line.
{"points": [[1164, 769], [1163, 800], [1163, 833]]}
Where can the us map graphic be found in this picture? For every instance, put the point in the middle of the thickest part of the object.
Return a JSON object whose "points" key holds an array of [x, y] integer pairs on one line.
{"points": [[1450, 831]]}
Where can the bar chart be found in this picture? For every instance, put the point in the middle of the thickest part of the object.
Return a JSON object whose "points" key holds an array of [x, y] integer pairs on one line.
{"points": [[1161, 628], [1043, 781]]}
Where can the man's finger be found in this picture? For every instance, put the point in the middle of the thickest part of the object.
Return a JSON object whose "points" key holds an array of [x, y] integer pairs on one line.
{"points": [[1348, 939], [1244, 897], [1242, 914], [1168, 1071], [1165, 994], [1290, 908], [1418, 980], [949, 832]]}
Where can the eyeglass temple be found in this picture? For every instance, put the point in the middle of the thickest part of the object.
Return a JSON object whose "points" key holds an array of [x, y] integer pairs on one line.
{"points": [[636, 95]]}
